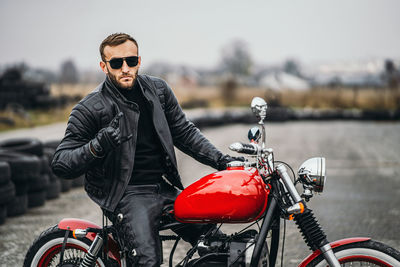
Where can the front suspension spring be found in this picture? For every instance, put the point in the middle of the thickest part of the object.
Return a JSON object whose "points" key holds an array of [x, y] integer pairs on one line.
{"points": [[312, 232], [88, 261], [93, 251]]}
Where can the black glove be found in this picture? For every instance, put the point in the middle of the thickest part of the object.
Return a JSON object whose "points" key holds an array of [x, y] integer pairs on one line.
{"points": [[107, 138], [225, 159]]}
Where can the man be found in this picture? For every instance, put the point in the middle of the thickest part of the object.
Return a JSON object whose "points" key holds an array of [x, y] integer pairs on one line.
{"points": [[122, 135]]}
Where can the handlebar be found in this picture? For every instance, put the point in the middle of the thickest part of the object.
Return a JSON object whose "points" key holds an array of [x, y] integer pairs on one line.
{"points": [[250, 149]]}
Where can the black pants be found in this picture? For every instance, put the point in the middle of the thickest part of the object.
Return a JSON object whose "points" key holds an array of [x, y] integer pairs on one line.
{"points": [[141, 207]]}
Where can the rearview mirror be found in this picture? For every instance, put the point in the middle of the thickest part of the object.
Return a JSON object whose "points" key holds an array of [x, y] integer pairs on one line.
{"points": [[254, 134]]}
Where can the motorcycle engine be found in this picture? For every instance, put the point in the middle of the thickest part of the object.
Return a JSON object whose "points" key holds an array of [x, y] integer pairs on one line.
{"points": [[224, 250]]}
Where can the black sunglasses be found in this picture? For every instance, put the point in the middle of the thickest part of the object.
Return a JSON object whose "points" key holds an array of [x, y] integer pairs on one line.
{"points": [[116, 63]]}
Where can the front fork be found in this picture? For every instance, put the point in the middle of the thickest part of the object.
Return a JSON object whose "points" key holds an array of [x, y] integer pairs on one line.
{"points": [[94, 249], [312, 232], [93, 252]]}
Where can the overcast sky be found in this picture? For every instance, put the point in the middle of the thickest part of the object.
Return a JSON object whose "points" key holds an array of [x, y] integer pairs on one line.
{"points": [[44, 33]]}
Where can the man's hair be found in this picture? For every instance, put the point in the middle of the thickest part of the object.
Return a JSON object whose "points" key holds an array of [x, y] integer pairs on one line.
{"points": [[114, 40]]}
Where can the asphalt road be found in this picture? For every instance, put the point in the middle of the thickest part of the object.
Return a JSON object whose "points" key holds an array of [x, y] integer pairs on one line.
{"points": [[361, 196]]}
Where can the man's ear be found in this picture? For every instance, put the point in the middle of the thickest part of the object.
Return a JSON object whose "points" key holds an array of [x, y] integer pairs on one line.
{"points": [[103, 67]]}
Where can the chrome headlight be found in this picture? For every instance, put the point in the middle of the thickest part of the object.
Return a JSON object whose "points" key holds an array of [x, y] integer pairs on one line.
{"points": [[312, 172]]}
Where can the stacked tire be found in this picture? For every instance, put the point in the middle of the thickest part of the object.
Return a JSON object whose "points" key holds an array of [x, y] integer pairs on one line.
{"points": [[28, 94], [26, 179], [23, 168], [37, 180], [7, 190]]}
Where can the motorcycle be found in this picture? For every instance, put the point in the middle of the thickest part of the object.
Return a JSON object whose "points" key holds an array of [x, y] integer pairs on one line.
{"points": [[259, 191]]}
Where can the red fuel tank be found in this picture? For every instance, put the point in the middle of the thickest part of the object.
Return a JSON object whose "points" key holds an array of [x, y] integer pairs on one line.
{"points": [[235, 195]]}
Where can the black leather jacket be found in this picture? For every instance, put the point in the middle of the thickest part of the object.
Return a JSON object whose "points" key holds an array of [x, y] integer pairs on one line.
{"points": [[107, 178]]}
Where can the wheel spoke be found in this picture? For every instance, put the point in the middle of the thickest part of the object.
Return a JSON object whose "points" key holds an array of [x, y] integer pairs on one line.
{"points": [[72, 256]]}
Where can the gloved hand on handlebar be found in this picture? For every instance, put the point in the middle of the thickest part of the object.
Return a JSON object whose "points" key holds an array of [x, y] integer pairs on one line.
{"points": [[225, 159], [107, 138]]}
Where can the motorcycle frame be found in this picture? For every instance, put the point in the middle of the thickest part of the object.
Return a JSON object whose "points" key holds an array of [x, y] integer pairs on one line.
{"points": [[270, 222], [275, 209], [270, 217]]}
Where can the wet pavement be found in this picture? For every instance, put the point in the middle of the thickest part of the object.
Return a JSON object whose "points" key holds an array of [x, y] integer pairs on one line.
{"points": [[361, 196]]}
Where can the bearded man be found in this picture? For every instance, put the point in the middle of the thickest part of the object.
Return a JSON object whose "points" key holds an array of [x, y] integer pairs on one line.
{"points": [[122, 135]]}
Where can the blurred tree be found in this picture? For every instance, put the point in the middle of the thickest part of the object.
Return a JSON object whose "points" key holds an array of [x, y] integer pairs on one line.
{"points": [[229, 87], [391, 75], [291, 66], [159, 69], [12, 74], [15, 72], [236, 58], [68, 72], [236, 64]]}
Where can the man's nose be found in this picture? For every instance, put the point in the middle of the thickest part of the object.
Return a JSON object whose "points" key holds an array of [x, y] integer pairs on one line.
{"points": [[125, 67]]}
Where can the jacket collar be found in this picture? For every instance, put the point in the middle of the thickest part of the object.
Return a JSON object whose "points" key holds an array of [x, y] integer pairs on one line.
{"points": [[113, 90]]}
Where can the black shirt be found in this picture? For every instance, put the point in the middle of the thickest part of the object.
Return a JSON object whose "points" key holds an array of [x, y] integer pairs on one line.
{"points": [[149, 156]]}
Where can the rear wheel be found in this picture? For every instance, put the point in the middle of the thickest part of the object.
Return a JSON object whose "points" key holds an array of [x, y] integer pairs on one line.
{"points": [[45, 250], [368, 253]]}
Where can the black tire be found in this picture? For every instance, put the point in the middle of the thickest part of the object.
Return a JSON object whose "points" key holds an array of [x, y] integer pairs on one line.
{"points": [[21, 188], [65, 185], [363, 252], [5, 172], [49, 152], [39, 183], [52, 144], [45, 165], [36, 199], [53, 177], [54, 189], [47, 247], [78, 182], [7, 193], [44, 101], [17, 206], [25, 145], [22, 165], [3, 214]]}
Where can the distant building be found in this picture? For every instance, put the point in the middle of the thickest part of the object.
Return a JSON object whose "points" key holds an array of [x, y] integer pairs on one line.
{"points": [[282, 80]]}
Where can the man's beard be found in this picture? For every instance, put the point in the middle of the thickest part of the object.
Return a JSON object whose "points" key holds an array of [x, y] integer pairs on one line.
{"points": [[119, 85]]}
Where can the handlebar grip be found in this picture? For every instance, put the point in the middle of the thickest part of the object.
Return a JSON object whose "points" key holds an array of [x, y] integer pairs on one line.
{"points": [[250, 149]]}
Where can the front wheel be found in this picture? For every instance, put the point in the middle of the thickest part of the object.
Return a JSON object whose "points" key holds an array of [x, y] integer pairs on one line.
{"points": [[45, 250], [366, 253]]}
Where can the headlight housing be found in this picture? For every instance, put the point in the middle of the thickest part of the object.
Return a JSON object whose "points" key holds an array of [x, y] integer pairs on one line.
{"points": [[312, 172]]}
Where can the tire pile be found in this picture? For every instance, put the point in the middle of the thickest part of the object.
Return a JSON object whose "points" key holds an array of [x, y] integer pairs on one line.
{"points": [[15, 90], [26, 179]]}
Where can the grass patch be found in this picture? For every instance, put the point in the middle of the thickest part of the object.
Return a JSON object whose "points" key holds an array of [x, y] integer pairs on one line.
{"points": [[318, 98], [32, 118], [212, 97]]}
